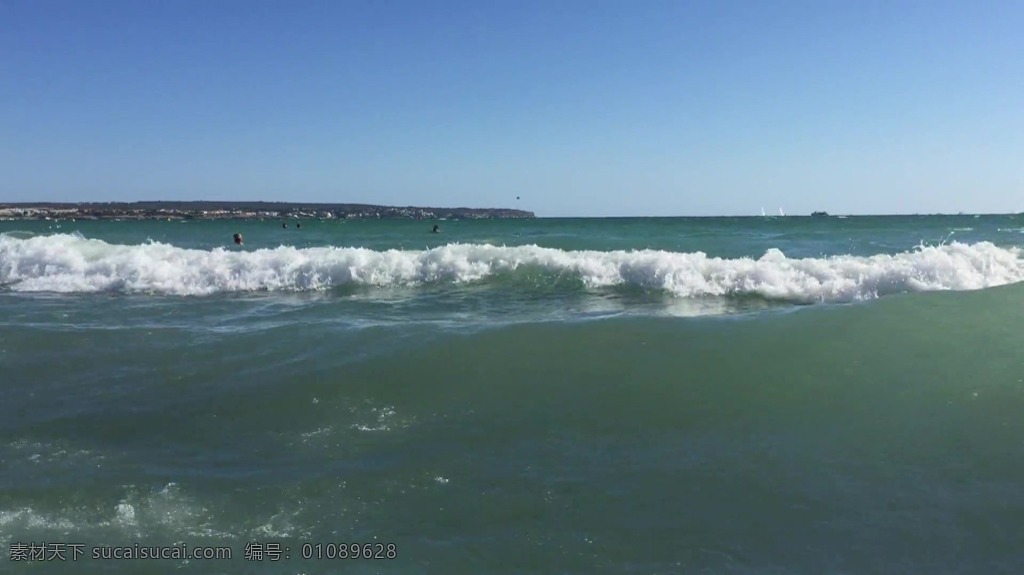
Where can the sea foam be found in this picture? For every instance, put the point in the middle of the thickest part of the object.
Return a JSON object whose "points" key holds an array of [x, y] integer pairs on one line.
{"points": [[67, 263]]}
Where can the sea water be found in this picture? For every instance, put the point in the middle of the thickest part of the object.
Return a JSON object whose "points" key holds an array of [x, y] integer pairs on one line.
{"points": [[720, 395]]}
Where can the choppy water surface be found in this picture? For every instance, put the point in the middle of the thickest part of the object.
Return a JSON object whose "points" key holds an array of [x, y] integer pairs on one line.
{"points": [[745, 395]]}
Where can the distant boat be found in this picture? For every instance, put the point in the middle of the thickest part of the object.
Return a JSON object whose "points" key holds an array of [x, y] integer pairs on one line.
{"points": [[781, 213], [819, 214]]}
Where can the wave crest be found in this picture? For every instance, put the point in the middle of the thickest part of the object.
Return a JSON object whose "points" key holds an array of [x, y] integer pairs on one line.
{"points": [[71, 264]]}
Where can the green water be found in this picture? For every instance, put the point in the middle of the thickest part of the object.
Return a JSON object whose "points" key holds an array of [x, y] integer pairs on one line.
{"points": [[849, 404]]}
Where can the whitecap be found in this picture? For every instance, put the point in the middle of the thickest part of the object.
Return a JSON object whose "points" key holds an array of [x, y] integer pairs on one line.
{"points": [[70, 263]]}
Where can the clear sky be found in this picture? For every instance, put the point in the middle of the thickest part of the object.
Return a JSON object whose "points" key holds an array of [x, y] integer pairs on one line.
{"points": [[577, 107]]}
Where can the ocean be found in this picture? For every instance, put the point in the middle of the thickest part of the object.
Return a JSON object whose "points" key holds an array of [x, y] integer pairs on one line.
{"points": [[781, 395]]}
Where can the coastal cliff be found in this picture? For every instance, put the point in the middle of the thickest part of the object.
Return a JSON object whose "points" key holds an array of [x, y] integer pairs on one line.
{"points": [[212, 210]]}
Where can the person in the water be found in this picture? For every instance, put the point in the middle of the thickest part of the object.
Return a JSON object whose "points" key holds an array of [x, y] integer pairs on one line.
{"points": [[437, 229], [238, 238], [285, 226]]}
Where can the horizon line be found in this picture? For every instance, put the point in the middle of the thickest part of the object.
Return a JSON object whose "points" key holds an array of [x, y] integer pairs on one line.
{"points": [[535, 215]]}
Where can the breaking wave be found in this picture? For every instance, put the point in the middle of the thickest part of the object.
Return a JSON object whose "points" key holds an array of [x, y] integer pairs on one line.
{"points": [[68, 263]]}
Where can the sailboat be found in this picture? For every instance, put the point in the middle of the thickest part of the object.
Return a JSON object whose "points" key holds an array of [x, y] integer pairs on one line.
{"points": [[781, 213]]}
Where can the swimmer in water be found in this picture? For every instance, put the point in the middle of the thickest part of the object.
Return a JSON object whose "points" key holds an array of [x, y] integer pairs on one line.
{"points": [[285, 226], [437, 229], [238, 239]]}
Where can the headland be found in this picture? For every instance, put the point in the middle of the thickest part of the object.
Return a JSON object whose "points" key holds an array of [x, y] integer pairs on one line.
{"points": [[214, 210]]}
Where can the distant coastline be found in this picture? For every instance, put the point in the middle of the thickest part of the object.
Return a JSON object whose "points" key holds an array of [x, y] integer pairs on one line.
{"points": [[212, 210]]}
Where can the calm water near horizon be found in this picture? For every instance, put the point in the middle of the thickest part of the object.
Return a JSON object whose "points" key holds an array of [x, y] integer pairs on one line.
{"points": [[781, 395]]}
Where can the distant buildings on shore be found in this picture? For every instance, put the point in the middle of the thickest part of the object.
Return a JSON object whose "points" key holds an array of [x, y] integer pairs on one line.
{"points": [[242, 210]]}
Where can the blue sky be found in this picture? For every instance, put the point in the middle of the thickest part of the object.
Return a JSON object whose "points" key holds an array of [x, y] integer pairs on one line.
{"points": [[588, 108]]}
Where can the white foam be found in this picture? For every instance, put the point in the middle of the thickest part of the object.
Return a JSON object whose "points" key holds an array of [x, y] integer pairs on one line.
{"points": [[70, 263], [384, 420], [134, 516], [167, 508], [27, 518], [48, 453], [125, 514]]}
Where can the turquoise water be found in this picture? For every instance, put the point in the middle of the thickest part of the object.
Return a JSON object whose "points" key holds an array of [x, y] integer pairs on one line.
{"points": [[735, 395]]}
